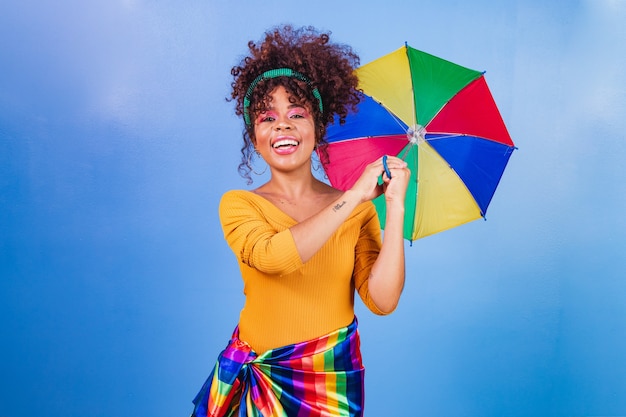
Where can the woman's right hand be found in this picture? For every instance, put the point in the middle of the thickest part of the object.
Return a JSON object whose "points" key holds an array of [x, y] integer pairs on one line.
{"points": [[367, 186]]}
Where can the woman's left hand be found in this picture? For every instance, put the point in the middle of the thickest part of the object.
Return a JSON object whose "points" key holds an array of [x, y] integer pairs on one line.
{"points": [[387, 276], [396, 186]]}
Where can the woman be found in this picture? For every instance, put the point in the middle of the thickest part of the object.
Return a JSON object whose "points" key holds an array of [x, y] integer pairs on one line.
{"points": [[303, 247]]}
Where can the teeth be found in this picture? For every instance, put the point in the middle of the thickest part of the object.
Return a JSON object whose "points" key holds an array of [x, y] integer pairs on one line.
{"points": [[285, 142]]}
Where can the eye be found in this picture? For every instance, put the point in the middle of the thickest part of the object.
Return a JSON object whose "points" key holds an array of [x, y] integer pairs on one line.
{"points": [[265, 117], [298, 114]]}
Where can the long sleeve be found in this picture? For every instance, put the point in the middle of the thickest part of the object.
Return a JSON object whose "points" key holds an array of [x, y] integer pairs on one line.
{"points": [[255, 242], [366, 252]]}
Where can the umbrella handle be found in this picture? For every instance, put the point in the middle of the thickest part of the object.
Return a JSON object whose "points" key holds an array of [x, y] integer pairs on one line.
{"points": [[386, 167]]}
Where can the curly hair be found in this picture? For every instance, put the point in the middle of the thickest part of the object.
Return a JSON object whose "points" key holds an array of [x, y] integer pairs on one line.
{"points": [[328, 66]]}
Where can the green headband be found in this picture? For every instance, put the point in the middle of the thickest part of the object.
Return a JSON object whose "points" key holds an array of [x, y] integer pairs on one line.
{"points": [[279, 72]]}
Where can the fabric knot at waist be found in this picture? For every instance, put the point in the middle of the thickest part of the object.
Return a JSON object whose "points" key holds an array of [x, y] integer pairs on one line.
{"points": [[321, 377]]}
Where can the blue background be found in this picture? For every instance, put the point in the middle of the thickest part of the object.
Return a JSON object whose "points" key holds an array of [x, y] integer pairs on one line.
{"points": [[117, 290]]}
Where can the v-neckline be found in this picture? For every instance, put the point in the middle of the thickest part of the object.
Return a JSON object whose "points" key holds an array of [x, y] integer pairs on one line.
{"points": [[271, 203]]}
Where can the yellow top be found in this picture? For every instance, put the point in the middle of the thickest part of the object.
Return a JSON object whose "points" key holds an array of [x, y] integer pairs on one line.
{"points": [[288, 301]]}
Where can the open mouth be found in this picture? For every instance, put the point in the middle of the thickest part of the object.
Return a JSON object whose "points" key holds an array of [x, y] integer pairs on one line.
{"points": [[285, 143]]}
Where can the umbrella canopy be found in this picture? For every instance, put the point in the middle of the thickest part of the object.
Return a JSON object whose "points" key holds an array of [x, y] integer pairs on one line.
{"points": [[438, 116]]}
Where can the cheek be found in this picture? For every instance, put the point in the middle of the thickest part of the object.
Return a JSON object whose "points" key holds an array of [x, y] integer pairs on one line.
{"points": [[259, 133]]}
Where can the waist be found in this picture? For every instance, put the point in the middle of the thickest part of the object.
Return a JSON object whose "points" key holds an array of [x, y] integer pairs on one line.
{"points": [[270, 328]]}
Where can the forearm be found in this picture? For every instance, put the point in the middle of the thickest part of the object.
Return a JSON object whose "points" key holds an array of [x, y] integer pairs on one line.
{"points": [[387, 276], [310, 235]]}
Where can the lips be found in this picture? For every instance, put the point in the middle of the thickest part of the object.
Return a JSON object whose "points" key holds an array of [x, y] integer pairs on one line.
{"points": [[283, 143]]}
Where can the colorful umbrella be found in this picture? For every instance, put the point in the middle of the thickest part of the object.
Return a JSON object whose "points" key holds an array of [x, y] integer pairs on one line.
{"points": [[438, 116]]}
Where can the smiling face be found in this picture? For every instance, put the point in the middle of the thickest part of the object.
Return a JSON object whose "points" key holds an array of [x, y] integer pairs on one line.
{"points": [[285, 132]]}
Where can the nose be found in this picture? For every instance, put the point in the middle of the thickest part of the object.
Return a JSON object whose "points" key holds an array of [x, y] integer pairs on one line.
{"points": [[283, 124]]}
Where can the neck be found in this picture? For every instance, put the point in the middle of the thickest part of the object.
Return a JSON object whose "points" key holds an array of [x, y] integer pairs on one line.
{"points": [[291, 185]]}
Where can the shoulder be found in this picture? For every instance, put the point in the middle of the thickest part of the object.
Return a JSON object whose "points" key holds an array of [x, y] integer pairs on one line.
{"points": [[233, 195], [243, 202], [237, 200], [241, 196]]}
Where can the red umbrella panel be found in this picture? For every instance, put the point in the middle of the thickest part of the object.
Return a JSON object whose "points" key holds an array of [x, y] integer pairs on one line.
{"points": [[438, 116]]}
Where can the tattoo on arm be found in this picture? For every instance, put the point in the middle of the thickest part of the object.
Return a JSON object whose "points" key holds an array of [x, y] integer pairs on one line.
{"points": [[338, 206]]}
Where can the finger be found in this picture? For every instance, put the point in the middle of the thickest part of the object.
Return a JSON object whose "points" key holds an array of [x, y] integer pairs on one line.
{"points": [[396, 162]]}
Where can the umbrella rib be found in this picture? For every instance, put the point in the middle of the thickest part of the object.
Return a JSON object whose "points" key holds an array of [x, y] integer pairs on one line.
{"points": [[399, 121], [441, 135]]}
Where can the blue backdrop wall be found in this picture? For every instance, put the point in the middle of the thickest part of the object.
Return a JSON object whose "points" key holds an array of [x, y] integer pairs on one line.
{"points": [[117, 290]]}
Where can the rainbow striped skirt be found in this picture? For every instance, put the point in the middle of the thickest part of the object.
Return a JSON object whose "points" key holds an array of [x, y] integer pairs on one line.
{"points": [[318, 378]]}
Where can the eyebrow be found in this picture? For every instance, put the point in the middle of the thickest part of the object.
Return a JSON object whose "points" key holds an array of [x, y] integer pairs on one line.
{"points": [[291, 106]]}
